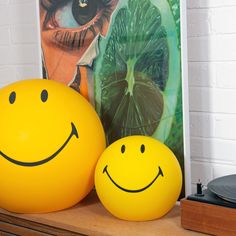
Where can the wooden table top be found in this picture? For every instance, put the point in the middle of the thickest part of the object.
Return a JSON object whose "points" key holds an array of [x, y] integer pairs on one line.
{"points": [[89, 217]]}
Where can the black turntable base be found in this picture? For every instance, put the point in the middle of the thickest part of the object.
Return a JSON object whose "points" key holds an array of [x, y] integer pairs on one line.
{"points": [[211, 198], [212, 211]]}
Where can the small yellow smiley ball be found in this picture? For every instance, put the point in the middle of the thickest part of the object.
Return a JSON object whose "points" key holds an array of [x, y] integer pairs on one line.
{"points": [[50, 141], [138, 178]]}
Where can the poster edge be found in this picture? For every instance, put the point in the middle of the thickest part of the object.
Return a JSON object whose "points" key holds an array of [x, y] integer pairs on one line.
{"points": [[185, 96]]}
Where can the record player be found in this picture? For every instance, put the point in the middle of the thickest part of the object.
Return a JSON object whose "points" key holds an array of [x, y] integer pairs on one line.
{"points": [[212, 210]]}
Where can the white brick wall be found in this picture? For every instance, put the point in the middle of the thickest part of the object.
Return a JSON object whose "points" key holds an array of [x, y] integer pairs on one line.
{"points": [[19, 41], [212, 87], [212, 75]]}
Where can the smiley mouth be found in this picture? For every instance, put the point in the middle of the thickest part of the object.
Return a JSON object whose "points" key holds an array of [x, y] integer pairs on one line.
{"points": [[136, 190], [37, 163]]}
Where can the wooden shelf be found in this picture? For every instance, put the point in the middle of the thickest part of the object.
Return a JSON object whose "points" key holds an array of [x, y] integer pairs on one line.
{"points": [[88, 218], [208, 218]]}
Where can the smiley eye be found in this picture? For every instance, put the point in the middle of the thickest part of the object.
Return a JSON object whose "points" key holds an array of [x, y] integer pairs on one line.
{"points": [[142, 148], [12, 97], [123, 148], [44, 95]]}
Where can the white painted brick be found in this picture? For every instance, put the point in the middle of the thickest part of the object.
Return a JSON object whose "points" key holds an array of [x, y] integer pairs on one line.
{"points": [[225, 75], [213, 149], [201, 74], [223, 101], [23, 13], [201, 171], [7, 75], [27, 72], [10, 74], [198, 22], [222, 170], [19, 49], [209, 3], [212, 100], [4, 36], [3, 2], [199, 49], [4, 15], [214, 48], [24, 54], [225, 126], [4, 55], [201, 125], [223, 20], [200, 99], [20, 1], [24, 34], [193, 188], [19, 54]]}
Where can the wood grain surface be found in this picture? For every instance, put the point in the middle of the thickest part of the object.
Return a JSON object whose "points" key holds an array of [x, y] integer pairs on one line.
{"points": [[89, 218], [208, 218]]}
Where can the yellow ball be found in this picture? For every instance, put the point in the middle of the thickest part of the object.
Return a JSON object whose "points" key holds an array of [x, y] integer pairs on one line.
{"points": [[51, 139], [138, 178]]}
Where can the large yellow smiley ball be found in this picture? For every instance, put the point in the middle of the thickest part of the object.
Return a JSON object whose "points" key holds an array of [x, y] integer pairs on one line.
{"points": [[138, 178], [51, 139]]}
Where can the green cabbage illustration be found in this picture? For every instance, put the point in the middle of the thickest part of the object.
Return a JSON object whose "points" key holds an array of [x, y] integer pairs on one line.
{"points": [[137, 74]]}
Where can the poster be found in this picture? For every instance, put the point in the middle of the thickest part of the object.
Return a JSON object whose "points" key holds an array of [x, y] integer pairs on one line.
{"points": [[126, 58]]}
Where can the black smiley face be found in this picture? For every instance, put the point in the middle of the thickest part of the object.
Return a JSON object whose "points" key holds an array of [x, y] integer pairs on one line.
{"points": [[74, 132], [142, 150]]}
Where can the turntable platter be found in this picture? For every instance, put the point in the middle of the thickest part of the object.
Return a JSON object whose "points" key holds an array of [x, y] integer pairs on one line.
{"points": [[224, 187]]}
